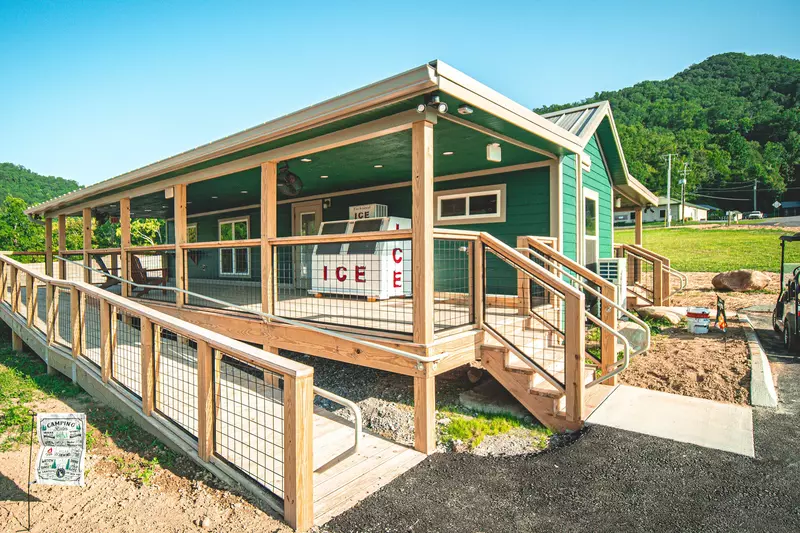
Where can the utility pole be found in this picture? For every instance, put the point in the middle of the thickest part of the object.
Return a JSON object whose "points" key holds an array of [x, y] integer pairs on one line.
{"points": [[669, 157], [755, 189], [683, 191]]}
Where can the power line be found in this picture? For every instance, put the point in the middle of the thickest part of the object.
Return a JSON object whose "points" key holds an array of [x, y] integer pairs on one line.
{"points": [[723, 198]]}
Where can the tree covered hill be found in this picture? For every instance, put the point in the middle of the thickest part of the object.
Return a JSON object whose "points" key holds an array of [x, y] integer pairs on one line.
{"points": [[734, 118], [33, 188]]}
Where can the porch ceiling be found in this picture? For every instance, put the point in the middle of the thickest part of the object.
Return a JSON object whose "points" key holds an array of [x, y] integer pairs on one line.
{"points": [[348, 167]]}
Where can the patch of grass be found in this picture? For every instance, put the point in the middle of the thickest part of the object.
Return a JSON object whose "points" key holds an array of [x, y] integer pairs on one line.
{"points": [[657, 325], [23, 380], [142, 470], [471, 428], [717, 249]]}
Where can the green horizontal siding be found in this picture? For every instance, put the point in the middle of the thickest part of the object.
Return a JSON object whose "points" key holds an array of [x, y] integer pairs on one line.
{"points": [[597, 179], [569, 207]]}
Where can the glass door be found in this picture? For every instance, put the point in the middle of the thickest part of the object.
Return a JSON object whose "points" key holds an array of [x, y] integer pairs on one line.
{"points": [[306, 218]]}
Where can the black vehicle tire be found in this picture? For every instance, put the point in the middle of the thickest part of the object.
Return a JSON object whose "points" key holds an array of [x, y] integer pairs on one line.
{"points": [[790, 338]]}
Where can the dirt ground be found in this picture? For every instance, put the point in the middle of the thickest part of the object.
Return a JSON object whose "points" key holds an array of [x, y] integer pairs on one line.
{"points": [[715, 366], [176, 497]]}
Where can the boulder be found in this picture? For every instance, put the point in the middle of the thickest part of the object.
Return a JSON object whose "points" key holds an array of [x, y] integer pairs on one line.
{"points": [[740, 280], [656, 312]]}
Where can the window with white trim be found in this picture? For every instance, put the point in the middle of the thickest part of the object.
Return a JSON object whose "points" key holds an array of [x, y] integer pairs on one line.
{"points": [[476, 204], [591, 230], [234, 261]]}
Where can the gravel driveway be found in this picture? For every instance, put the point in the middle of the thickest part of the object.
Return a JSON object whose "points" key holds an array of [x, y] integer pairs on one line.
{"points": [[607, 480]]}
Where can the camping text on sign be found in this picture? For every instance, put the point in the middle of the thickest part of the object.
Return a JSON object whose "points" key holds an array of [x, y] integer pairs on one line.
{"points": [[62, 437]]}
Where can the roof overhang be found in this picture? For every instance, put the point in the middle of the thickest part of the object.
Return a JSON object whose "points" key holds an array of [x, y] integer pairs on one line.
{"points": [[427, 78], [597, 119]]}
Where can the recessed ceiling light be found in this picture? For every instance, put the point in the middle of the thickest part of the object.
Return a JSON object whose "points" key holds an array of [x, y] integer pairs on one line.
{"points": [[305, 160], [243, 192], [214, 197], [464, 109], [163, 207], [378, 166], [323, 177], [189, 202], [147, 210], [448, 153]]}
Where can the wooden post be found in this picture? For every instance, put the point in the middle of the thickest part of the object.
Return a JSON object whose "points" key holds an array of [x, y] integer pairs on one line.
{"points": [[574, 345], [30, 300], [87, 244], [298, 438], [658, 278], [124, 243], [608, 342], [523, 284], [48, 246], [62, 245], [422, 230], [180, 238], [269, 230], [105, 340], [425, 413], [666, 283], [14, 290], [4, 268], [75, 320], [478, 281], [16, 343], [148, 384], [205, 401], [638, 234]]}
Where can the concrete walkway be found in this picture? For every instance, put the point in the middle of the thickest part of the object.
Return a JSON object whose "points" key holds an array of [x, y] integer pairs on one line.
{"points": [[706, 423]]}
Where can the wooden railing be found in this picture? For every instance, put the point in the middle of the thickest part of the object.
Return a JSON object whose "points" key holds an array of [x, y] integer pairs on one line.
{"points": [[546, 247], [650, 275], [561, 328], [196, 379]]}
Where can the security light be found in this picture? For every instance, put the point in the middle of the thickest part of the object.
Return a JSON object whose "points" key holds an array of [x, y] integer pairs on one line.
{"points": [[436, 103]]}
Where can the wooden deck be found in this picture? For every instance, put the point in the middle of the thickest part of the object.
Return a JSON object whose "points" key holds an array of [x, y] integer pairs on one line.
{"points": [[340, 484]]}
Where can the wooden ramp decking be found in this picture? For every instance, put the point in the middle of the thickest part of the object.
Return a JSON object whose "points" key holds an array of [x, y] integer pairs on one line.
{"points": [[340, 484]]}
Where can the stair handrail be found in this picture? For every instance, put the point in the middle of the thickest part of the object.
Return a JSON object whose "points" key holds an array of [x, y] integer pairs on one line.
{"points": [[682, 278], [592, 291], [420, 359], [530, 268]]}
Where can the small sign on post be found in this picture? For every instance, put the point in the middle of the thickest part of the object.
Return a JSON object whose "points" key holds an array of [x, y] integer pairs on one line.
{"points": [[62, 437]]}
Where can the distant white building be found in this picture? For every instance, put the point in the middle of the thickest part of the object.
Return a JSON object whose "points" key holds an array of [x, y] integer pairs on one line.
{"points": [[659, 214]]}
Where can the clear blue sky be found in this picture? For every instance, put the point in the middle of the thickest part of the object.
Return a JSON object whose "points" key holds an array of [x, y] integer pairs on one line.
{"points": [[89, 90]]}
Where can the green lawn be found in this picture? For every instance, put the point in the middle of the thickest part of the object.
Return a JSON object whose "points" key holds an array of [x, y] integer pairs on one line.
{"points": [[716, 250]]}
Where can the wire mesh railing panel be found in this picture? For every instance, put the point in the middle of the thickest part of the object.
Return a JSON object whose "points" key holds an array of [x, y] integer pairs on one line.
{"points": [[126, 355], [640, 276], [528, 313], [154, 272], [40, 301], [249, 424], [452, 307], [361, 284], [22, 294], [104, 266], [63, 317], [228, 274], [90, 319], [72, 268], [176, 382]]}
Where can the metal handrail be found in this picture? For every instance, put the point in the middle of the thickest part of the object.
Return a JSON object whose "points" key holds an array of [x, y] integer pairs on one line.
{"points": [[599, 295], [268, 316]]}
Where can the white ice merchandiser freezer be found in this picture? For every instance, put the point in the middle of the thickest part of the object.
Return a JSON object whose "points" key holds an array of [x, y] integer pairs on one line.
{"points": [[372, 269]]}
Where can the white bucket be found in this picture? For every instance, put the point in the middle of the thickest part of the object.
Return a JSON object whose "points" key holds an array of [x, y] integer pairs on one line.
{"points": [[697, 326]]}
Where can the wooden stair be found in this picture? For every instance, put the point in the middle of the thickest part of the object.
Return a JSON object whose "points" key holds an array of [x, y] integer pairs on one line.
{"points": [[532, 390]]}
